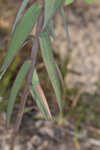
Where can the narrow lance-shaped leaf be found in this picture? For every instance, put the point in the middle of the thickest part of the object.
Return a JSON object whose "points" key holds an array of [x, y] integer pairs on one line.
{"points": [[66, 28], [47, 55], [21, 33], [39, 96], [21, 9], [50, 9], [2, 74], [60, 76], [50, 28], [16, 86], [39, 103], [30, 38]]}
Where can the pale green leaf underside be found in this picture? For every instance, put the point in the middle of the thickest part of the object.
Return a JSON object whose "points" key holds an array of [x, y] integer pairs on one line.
{"points": [[41, 103], [50, 9], [35, 78], [47, 55], [21, 9], [22, 31], [16, 86]]}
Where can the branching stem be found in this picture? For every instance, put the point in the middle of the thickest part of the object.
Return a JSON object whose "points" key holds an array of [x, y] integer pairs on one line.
{"points": [[25, 93]]}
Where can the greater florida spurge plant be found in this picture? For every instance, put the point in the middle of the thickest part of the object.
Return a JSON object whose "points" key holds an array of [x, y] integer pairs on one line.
{"points": [[38, 16]]}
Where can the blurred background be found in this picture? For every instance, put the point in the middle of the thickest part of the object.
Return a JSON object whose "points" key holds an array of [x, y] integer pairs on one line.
{"points": [[80, 66]]}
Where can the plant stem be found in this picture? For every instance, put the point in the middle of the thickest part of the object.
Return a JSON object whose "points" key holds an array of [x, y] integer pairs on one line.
{"points": [[35, 48]]}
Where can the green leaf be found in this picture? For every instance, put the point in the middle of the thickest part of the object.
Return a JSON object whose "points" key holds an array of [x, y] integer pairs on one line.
{"points": [[30, 38], [2, 74], [39, 96], [21, 33], [23, 5], [35, 78], [16, 86], [67, 2], [66, 28], [50, 28], [50, 9], [38, 101], [27, 109], [88, 1], [47, 55], [60, 76]]}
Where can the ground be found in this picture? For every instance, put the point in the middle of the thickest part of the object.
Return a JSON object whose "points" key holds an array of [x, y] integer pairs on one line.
{"points": [[47, 135], [84, 30]]}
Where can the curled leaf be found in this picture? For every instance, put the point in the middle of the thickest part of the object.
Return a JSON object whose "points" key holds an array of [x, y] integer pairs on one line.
{"points": [[39, 96]]}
